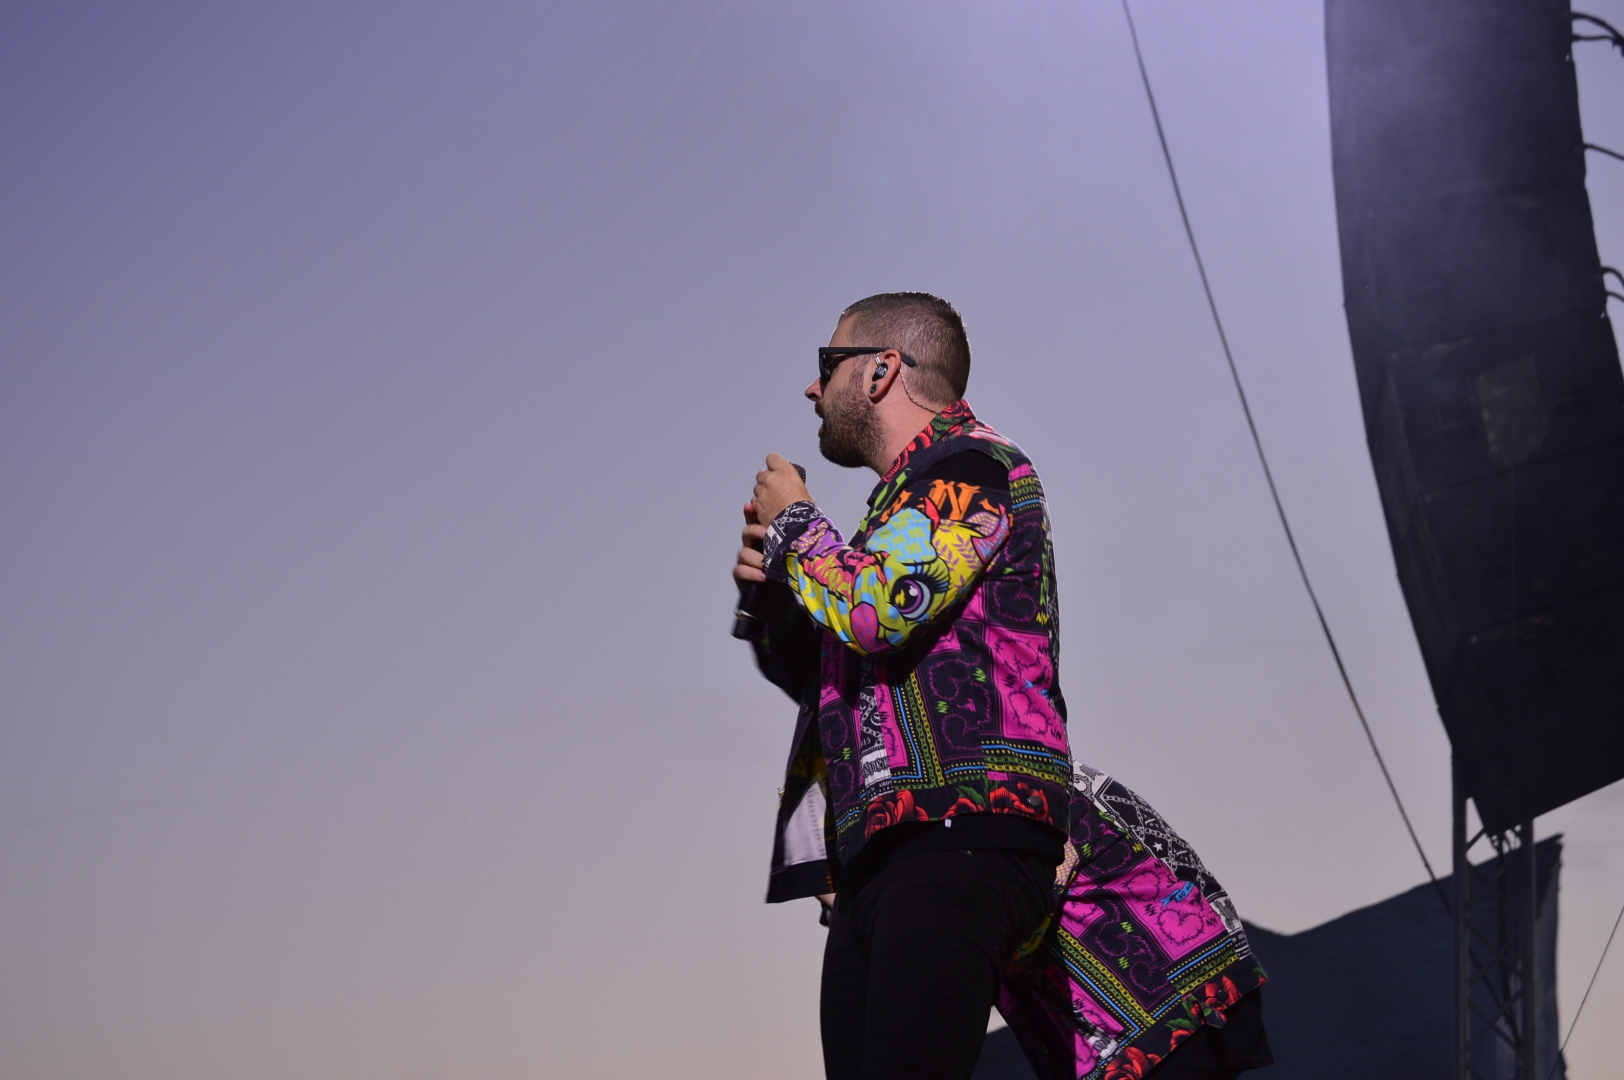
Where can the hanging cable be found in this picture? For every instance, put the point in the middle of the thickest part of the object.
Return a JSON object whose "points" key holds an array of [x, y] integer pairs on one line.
{"points": [[1603, 150], [1609, 32], [1575, 1021], [1268, 475]]}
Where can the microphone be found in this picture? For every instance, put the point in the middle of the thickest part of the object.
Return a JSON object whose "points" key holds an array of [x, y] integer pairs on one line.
{"points": [[747, 615]]}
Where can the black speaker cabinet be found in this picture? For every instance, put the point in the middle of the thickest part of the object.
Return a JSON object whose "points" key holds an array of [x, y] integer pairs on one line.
{"points": [[1489, 377]]}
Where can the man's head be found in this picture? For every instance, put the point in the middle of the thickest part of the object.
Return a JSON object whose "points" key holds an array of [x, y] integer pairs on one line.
{"points": [[927, 329], [910, 342]]}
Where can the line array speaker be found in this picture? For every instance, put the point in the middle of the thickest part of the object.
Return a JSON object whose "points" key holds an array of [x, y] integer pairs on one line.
{"points": [[1489, 377]]}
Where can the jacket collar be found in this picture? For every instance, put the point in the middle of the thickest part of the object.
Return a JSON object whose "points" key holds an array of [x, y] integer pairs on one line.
{"points": [[953, 420], [956, 419]]}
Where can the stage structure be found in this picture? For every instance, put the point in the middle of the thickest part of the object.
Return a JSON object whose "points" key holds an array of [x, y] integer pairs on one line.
{"points": [[1494, 412]]}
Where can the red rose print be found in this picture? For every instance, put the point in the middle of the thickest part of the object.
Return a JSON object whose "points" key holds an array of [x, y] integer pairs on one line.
{"points": [[1025, 800], [891, 809], [1220, 996], [963, 806], [1131, 1065]]}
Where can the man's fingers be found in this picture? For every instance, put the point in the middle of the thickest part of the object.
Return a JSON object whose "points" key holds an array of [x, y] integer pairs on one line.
{"points": [[754, 534], [749, 566], [777, 486]]}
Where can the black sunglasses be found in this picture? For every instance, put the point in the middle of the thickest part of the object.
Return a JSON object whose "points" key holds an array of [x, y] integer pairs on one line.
{"points": [[830, 357]]}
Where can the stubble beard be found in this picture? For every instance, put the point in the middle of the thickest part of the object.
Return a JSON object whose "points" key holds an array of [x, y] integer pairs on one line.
{"points": [[850, 436]]}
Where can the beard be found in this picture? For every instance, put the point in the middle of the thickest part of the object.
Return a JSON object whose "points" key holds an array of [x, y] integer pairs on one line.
{"points": [[850, 436]]}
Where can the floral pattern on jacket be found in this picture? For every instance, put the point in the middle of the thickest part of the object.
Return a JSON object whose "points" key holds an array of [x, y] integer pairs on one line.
{"points": [[1143, 948], [929, 685]]}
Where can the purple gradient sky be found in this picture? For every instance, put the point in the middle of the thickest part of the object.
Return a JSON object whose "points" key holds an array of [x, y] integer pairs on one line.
{"points": [[380, 387]]}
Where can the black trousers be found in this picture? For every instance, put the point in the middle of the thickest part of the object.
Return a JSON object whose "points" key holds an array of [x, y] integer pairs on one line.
{"points": [[913, 959]]}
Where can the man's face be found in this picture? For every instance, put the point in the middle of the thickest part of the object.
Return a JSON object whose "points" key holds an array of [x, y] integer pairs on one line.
{"points": [[850, 435]]}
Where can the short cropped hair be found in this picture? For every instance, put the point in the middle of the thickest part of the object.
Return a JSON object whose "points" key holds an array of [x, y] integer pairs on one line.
{"points": [[925, 327]]}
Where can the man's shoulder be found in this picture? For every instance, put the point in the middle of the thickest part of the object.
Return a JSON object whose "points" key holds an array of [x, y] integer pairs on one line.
{"points": [[965, 466], [976, 449]]}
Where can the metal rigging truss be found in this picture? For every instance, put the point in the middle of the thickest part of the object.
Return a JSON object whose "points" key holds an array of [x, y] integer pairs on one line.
{"points": [[1497, 994]]}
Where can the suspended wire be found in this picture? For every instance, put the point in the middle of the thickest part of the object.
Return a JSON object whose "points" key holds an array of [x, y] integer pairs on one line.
{"points": [[1610, 33], [1575, 1021], [1268, 475], [699, 47]]}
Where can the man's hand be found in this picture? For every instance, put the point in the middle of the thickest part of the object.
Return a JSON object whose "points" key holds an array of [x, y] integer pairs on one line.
{"points": [[777, 486], [749, 564]]}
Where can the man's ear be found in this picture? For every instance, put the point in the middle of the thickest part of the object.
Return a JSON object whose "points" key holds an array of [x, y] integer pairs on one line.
{"points": [[887, 365]]}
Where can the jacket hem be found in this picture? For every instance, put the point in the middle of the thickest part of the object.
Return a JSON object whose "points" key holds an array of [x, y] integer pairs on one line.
{"points": [[798, 881]]}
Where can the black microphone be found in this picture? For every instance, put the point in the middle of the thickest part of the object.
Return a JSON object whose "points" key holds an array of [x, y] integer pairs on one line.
{"points": [[747, 615]]}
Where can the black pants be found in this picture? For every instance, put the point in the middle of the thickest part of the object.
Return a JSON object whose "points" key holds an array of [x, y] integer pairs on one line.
{"points": [[913, 960]]}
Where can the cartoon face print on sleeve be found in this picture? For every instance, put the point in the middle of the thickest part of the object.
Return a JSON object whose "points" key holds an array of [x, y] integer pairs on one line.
{"points": [[929, 563], [930, 547]]}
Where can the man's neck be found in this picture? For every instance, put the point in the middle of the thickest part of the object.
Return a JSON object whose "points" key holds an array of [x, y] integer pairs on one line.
{"points": [[900, 435]]}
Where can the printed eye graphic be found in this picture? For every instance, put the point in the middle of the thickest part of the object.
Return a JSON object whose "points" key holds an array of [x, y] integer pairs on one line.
{"points": [[912, 596]]}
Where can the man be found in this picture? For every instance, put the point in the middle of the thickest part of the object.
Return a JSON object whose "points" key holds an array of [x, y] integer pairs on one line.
{"points": [[930, 794], [928, 784]]}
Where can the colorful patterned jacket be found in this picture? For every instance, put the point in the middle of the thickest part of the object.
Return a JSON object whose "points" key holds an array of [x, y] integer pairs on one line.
{"points": [[1144, 947], [942, 699], [927, 670]]}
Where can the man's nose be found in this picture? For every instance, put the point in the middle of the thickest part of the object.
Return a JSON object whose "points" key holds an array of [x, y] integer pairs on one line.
{"points": [[813, 391]]}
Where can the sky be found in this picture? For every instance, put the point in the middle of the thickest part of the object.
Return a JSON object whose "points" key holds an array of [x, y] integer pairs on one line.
{"points": [[380, 388]]}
